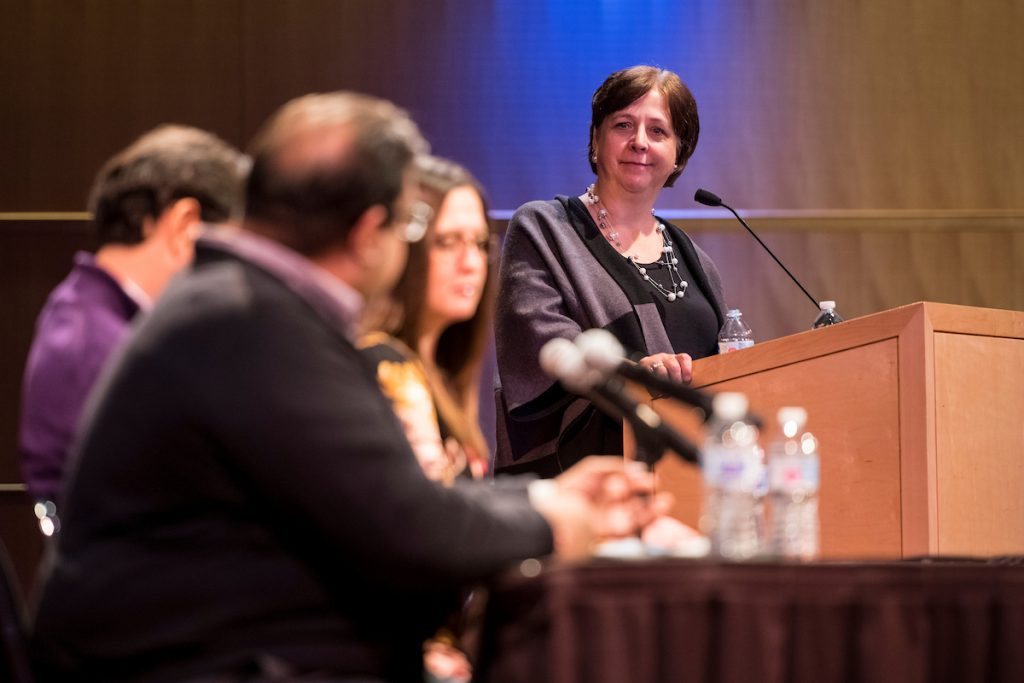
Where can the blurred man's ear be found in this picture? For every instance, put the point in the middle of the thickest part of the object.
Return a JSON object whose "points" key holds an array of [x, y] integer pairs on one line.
{"points": [[177, 228], [364, 238], [377, 253]]}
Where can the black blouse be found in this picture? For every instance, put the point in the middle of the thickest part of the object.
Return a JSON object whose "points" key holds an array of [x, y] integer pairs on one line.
{"points": [[692, 322]]}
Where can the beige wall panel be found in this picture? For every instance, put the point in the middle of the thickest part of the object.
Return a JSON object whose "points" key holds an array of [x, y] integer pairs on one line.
{"points": [[990, 269], [867, 263], [872, 104]]}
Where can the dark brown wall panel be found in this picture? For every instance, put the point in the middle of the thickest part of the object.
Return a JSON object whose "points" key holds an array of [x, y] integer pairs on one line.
{"points": [[91, 76], [14, 97], [19, 532]]}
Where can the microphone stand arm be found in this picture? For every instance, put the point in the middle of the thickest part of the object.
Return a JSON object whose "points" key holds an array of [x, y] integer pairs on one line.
{"points": [[770, 253]]}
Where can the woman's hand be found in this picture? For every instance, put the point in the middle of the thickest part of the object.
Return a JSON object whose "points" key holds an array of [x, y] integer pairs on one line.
{"points": [[675, 366]]}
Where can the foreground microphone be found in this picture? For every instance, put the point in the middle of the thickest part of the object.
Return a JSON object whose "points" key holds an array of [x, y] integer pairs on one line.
{"points": [[561, 360], [710, 199], [603, 353]]}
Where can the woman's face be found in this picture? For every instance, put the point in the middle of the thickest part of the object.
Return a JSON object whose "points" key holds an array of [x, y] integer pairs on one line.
{"points": [[636, 146], [457, 259]]}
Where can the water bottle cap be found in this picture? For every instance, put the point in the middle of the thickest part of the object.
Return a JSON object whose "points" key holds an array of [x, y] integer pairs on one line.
{"points": [[730, 405], [733, 313], [826, 305], [793, 414]]}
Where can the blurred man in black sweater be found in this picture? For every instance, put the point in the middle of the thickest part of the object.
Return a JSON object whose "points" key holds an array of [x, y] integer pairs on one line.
{"points": [[244, 505]]}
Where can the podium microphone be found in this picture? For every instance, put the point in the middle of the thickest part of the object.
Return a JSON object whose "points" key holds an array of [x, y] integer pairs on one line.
{"points": [[710, 199], [561, 360]]}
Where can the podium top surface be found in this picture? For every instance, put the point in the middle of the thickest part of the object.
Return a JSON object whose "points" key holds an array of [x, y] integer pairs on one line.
{"points": [[921, 320]]}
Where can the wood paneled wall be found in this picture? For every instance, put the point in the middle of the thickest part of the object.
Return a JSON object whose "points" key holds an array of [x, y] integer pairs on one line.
{"points": [[911, 105]]}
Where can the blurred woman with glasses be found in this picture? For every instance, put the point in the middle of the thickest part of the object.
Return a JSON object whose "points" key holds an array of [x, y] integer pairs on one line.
{"points": [[428, 342], [428, 347]]}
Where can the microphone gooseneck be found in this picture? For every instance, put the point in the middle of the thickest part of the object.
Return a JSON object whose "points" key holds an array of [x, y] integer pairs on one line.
{"points": [[706, 198]]}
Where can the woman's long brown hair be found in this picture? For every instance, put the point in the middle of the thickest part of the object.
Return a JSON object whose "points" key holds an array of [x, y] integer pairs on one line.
{"points": [[455, 370]]}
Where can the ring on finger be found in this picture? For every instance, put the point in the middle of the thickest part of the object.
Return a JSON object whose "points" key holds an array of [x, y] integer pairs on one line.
{"points": [[655, 366]]}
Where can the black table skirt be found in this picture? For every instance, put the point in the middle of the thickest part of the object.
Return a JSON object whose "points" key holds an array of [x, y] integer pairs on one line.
{"points": [[678, 620]]}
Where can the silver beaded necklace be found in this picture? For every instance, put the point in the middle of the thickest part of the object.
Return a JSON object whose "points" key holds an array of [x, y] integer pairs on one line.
{"points": [[668, 256]]}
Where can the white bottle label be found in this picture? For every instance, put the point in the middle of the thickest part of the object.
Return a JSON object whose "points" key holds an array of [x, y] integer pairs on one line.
{"points": [[711, 462], [786, 475], [811, 472], [734, 345]]}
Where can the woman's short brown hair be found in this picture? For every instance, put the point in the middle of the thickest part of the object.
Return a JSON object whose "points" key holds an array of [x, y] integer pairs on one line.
{"points": [[624, 87]]}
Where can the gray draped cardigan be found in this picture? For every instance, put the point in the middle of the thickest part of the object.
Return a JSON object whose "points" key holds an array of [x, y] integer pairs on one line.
{"points": [[553, 283]]}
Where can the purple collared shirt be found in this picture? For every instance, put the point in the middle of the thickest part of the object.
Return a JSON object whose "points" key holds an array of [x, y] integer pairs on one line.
{"points": [[84, 320]]}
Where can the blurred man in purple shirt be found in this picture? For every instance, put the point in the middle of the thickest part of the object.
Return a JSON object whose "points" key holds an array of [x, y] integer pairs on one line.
{"points": [[148, 203]]}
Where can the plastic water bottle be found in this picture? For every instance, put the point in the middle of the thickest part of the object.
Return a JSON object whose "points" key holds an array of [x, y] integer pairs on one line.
{"points": [[735, 334], [828, 315], [793, 468], [733, 469]]}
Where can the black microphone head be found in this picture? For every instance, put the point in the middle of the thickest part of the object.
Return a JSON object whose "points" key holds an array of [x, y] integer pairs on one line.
{"points": [[707, 198]]}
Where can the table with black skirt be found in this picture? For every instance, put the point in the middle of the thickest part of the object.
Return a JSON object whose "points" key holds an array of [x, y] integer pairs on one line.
{"points": [[621, 621]]}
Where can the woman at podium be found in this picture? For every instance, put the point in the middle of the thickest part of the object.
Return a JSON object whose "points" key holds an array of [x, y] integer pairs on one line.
{"points": [[603, 258]]}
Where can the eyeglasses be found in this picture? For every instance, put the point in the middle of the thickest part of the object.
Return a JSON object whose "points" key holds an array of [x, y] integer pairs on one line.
{"points": [[455, 242], [416, 227]]}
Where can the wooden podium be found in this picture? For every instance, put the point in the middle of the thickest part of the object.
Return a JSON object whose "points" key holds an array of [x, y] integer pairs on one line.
{"points": [[919, 412]]}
